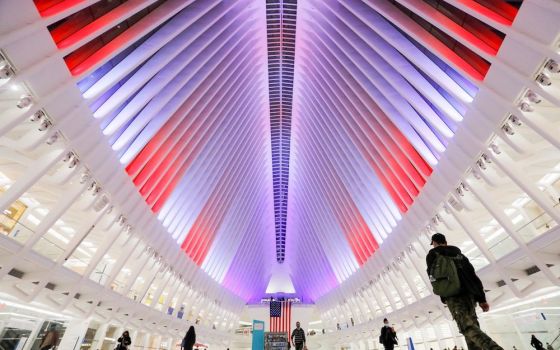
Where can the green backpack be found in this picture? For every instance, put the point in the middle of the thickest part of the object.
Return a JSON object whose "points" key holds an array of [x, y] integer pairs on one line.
{"points": [[444, 275]]}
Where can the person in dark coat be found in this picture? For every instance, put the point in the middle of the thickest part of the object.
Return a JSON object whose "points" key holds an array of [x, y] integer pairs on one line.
{"points": [[388, 336], [189, 339], [124, 341], [537, 344]]}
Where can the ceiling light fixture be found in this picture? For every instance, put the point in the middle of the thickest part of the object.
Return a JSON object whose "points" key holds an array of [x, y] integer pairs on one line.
{"points": [[552, 66], [507, 128], [24, 102], [543, 79], [533, 97], [515, 120], [6, 72], [525, 106]]}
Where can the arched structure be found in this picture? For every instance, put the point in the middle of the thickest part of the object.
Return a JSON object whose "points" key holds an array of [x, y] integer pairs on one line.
{"points": [[162, 161]]}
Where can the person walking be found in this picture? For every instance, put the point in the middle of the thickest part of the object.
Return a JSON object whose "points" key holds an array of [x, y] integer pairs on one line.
{"points": [[50, 339], [455, 281], [298, 337], [537, 344], [189, 339], [549, 347], [388, 336], [124, 341]]}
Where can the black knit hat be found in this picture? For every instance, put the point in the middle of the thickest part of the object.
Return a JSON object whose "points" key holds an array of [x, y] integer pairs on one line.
{"points": [[438, 238]]}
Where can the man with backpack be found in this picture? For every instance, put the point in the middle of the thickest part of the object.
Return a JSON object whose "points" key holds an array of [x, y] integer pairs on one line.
{"points": [[453, 278]]}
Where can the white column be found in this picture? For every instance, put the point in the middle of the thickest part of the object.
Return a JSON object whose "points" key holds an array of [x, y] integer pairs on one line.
{"points": [[34, 334], [74, 334], [99, 336], [146, 340]]}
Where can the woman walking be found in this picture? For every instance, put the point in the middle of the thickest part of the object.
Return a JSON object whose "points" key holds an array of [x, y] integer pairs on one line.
{"points": [[123, 341], [189, 339]]}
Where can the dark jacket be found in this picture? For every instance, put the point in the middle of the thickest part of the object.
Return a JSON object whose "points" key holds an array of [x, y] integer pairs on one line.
{"points": [[537, 344], [388, 336], [123, 342], [470, 283], [298, 336], [189, 339]]}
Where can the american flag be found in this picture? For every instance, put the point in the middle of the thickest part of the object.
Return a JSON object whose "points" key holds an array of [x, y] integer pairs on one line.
{"points": [[280, 316]]}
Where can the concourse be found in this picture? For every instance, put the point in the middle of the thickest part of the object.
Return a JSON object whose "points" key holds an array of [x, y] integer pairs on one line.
{"points": [[279, 174]]}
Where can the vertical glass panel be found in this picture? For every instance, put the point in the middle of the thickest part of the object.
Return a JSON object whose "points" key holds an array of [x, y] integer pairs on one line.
{"points": [[22, 217], [104, 268], [81, 256]]}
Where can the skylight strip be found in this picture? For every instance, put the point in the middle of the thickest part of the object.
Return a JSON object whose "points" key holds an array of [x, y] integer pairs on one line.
{"points": [[281, 21]]}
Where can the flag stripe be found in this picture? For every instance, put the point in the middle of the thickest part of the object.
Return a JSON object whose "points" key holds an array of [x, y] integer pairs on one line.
{"points": [[280, 316]]}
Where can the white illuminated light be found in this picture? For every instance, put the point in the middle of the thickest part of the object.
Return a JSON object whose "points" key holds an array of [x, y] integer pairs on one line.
{"points": [[84, 252], [30, 202], [520, 202], [34, 309], [42, 211], [18, 315], [58, 236], [76, 263], [33, 219], [517, 219], [496, 234], [525, 302], [14, 87], [67, 229], [549, 179]]}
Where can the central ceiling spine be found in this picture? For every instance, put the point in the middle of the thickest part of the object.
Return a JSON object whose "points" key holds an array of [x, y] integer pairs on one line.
{"points": [[281, 37]]}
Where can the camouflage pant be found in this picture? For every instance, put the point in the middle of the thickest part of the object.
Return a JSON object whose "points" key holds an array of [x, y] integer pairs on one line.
{"points": [[462, 309]]}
